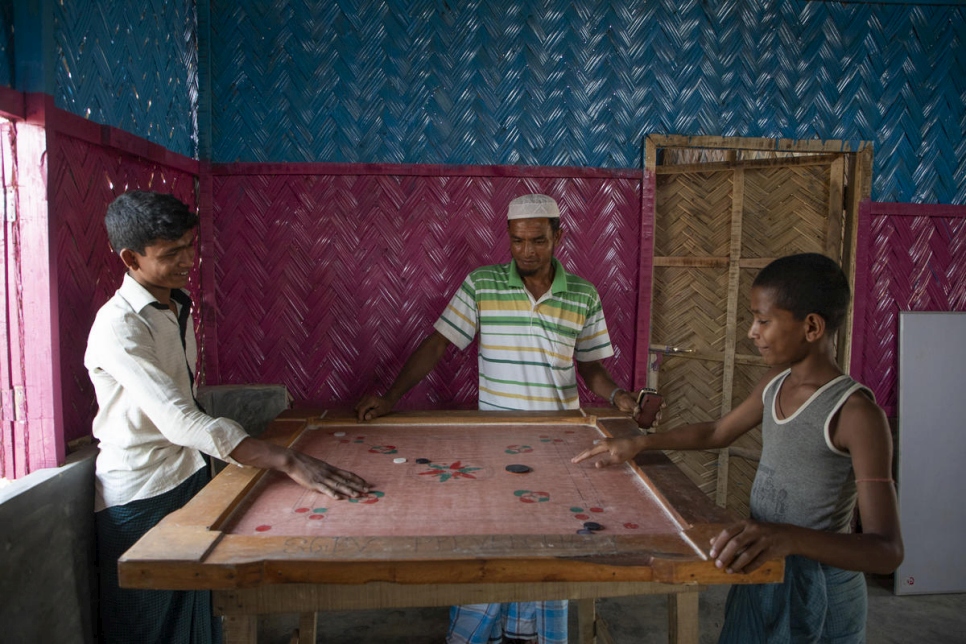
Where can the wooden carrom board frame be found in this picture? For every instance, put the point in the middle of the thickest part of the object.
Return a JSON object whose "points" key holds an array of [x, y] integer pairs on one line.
{"points": [[258, 574]]}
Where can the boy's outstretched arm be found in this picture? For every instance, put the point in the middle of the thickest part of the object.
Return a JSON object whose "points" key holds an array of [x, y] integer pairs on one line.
{"points": [[429, 352], [710, 435], [307, 471], [862, 431]]}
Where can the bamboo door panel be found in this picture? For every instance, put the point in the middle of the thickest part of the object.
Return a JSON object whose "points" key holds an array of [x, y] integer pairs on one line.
{"points": [[716, 226]]}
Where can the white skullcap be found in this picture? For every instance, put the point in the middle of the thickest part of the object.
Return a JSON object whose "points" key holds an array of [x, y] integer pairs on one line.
{"points": [[530, 206]]}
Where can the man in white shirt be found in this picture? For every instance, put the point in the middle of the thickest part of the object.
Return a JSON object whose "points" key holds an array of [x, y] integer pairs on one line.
{"points": [[141, 356]]}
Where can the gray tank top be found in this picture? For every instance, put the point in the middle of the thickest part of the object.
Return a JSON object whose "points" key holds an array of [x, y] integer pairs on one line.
{"points": [[802, 478]]}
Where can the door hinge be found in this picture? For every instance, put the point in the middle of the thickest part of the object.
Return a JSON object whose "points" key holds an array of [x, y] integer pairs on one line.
{"points": [[10, 203], [19, 404], [12, 405]]}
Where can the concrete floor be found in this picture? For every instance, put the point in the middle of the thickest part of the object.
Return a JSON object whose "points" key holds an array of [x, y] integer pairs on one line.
{"points": [[932, 619]]}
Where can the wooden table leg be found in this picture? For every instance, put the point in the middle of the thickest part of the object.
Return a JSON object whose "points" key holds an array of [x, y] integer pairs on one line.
{"points": [[308, 628], [308, 631], [240, 629], [586, 620], [602, 632], [682, 614]]}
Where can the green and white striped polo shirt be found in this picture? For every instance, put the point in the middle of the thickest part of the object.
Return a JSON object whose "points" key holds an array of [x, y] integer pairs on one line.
{"points": [[527, 346]]}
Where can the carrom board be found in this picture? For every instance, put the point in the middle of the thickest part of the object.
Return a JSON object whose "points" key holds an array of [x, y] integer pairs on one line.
{"points": [[432, 481], [460, 518], [456, 529]]}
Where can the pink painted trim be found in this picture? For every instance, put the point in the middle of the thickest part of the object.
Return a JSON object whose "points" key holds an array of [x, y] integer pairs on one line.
{"points": [[861, 294], [42, 111], [126, 142], [10, 371], [425, 170], [881, 208], [642, 344], [41, 334], [12, 104], [209, 304]]}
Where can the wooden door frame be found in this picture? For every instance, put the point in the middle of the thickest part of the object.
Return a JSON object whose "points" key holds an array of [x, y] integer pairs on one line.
{"points": [[857, 157], [855, 160]]}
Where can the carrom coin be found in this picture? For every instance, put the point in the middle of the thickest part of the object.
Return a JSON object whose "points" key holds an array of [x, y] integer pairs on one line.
{"points": [[517, 468]]}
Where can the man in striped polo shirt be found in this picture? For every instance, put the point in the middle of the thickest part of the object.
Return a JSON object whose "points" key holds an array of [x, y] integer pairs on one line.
{"points": [[534, 320]]}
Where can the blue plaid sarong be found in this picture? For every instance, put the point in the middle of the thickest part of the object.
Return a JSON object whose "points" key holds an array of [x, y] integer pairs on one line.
{"points": [[815, 603], [145, 616], [543, 622]]}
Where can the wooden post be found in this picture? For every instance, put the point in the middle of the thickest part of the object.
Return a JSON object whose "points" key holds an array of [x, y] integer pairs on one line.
{"points": [[682, 611], [240, 629], [586, 620]]}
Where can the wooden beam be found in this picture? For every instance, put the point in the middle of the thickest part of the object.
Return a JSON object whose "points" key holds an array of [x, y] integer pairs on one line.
{"points": [[823, 159], [731, 323], [858, 190], [692, 262], [751, 143]]}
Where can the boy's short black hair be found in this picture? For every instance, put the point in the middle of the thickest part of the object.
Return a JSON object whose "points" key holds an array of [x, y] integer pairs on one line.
{"points": [[138, 218], [808, 283]]}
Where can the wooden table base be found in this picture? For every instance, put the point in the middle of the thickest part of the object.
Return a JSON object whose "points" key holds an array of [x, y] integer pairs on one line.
{"points": [[241, 607]]}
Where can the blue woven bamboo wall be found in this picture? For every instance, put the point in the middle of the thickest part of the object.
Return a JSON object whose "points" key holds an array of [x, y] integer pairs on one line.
{"points": [[131, 65], [578, 82], [6, 44]]}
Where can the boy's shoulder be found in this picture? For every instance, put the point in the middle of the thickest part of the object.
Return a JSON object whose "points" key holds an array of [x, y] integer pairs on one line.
{"points": [[862, 402], [124, 303], [117, 306], [124, 313], [114, 320], [860, 422]]}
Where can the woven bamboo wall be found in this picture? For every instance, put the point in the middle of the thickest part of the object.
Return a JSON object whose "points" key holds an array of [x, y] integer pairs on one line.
{"points": [[133, 66], [85, 176], [915, 260], [578, 82], [6, 44], [328, 277]]}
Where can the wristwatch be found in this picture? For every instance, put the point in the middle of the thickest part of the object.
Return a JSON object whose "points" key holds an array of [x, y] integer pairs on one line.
{"points": [[613, 395]]}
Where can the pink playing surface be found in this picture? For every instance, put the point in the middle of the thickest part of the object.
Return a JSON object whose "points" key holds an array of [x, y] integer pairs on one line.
{"points": [[463, 490]]}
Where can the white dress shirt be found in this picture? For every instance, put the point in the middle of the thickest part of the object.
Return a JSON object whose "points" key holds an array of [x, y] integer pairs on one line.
{"points": [[150, 428]]}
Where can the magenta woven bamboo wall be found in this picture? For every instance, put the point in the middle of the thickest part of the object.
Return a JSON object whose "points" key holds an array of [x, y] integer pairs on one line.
{"points": [[84, 178], [328, 277], [911, 257]]}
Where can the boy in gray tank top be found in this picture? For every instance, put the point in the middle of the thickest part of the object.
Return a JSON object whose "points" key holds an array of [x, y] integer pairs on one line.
{"points": [[826, 446]]}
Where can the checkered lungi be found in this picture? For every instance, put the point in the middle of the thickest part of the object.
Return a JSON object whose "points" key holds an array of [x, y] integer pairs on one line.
{"points": [[542, 622], [141, 616]]}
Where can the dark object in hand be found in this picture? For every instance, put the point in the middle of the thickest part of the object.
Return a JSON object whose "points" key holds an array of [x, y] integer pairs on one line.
{"points": [[648, 406]]}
